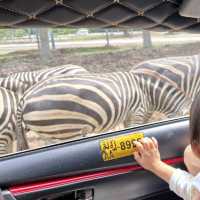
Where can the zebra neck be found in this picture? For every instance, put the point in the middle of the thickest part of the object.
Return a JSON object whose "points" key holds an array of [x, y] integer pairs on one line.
{"points": [[13, 85], [136, 93], [141, 99]]}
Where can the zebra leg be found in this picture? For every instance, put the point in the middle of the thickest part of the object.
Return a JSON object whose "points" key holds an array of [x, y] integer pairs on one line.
{"points": [[6, 145], [182, 110], [119, 127], [173, 115], [137, 119], [22, 143], [86, 131], [131, 121], [147, 117]]}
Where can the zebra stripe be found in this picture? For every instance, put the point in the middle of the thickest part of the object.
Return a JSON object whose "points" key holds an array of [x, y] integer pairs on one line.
{"points": [[7, 119], [181, 82], [182, 72], [11, 90], [69, 106], [20, 82]]}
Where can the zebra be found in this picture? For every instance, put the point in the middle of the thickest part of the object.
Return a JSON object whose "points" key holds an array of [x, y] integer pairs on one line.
{"points": [[11, 90], [66, 107], [8, 107], [183, 73], [20, 82]]}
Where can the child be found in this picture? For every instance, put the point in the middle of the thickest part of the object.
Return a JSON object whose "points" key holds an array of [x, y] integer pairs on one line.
{"points": [[184, 184]]}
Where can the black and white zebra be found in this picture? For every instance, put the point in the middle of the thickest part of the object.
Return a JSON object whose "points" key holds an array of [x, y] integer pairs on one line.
{"points": [[8, 105], [183, 76], [11, 90], [20, 82], [66, 107]]}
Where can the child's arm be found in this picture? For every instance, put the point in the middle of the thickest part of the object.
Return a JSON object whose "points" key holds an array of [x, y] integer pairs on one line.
{"points": [[148, 156]]}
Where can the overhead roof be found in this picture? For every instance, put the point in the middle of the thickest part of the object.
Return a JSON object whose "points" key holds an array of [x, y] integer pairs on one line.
{"points": [[156, 15]]}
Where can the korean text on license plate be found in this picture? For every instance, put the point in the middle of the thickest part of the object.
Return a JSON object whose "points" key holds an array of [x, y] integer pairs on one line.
{"points": [[119, 146]]}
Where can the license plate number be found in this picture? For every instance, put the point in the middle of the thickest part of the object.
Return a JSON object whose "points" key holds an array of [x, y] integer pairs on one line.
{"points": [[119, 146]]}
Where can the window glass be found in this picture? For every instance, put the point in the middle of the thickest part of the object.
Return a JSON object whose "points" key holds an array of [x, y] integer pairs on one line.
{"points": [[64, 84]]}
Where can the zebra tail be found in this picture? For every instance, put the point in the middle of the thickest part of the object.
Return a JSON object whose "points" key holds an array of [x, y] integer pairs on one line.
{"points": [[22, 143]]}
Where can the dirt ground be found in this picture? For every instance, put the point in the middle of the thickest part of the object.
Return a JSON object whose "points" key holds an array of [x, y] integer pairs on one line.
{"points": [[117, 59]]}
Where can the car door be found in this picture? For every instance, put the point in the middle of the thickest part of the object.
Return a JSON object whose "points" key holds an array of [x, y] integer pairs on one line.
{"points": [[76, 170]]}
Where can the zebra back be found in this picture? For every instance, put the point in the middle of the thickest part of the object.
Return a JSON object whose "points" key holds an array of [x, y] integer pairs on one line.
{"points": [[11, 90], [20, 82], [183, 73], [64, 107]]}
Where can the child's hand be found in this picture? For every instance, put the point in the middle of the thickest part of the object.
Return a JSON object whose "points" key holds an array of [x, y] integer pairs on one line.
{"points": [[147, 154]]}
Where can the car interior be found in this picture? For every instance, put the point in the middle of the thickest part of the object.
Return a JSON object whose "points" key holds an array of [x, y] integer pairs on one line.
{"points": [[77, 167]]}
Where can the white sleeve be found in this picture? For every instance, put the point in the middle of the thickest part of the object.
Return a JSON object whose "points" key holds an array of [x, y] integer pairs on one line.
{"points": [[196, 182], [181, 183]]}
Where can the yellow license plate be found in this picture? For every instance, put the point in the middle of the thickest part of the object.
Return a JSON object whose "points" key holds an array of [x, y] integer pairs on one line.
{"points": [[119, 146]]}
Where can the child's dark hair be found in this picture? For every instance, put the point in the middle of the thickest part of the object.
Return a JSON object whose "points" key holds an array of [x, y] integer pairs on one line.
{"points": [[195, 120]]}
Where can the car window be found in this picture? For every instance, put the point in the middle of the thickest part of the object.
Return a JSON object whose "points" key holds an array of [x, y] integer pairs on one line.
{"points": [[60, 85]]}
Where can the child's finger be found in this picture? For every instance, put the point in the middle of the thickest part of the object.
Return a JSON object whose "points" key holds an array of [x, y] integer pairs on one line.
{"points": [[147, 143], [150, 144], [144, 142], [136, 156], [139, 147], [155, 142]]}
